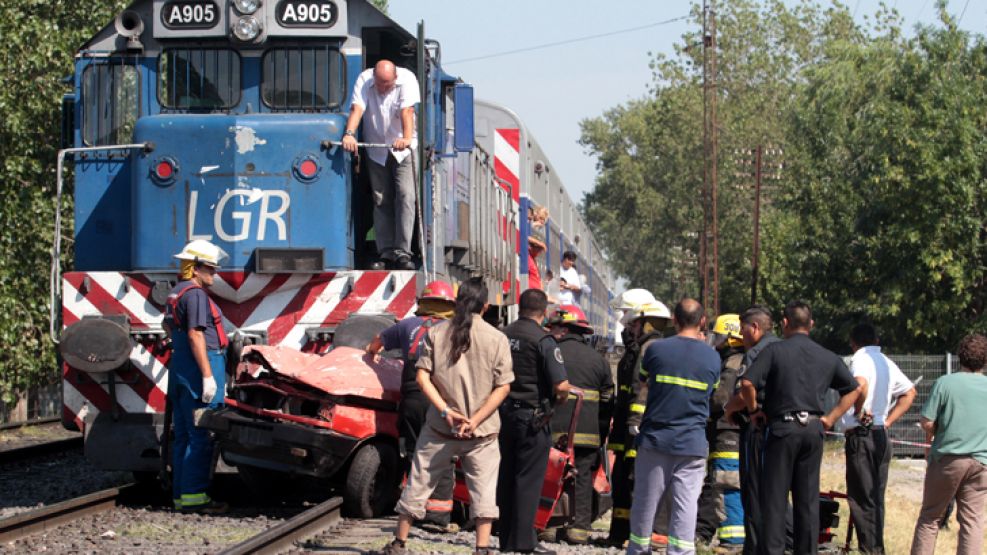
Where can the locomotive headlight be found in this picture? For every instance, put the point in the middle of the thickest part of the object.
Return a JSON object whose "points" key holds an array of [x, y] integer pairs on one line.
{"points": [[246, 7], [247, 28]]}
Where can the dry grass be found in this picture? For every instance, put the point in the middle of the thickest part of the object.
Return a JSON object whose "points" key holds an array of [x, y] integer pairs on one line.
{"points": [[904, 499]]}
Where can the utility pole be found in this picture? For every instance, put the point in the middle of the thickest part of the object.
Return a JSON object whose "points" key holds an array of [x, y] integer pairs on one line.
{"points": [[703, 238], [757, 223], [714, 156], [775, 166], [710, 235]]}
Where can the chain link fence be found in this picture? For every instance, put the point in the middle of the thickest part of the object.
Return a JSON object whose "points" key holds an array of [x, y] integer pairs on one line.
{"points": [[922, 370]]}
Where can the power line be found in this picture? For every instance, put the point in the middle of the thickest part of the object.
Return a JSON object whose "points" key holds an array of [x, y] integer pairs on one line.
{"points": [[965, 6], [567, 41]]}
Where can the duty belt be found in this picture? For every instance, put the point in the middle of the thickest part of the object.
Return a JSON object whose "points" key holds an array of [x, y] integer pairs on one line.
{"points": [[517, 404], [803, 417]]}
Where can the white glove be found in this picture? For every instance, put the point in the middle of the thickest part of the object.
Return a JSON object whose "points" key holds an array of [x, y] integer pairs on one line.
{"points": [[208, 389]]}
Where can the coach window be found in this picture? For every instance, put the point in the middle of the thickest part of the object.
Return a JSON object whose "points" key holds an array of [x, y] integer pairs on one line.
{"points": [[198, 79], [303, 78], [110, 104]]}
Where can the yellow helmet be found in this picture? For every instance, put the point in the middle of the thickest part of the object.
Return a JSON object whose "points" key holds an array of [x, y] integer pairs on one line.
{"points": [[727, 328]]}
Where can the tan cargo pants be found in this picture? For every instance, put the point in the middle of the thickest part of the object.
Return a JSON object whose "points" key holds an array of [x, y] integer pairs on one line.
{"points": [[480, 459]]}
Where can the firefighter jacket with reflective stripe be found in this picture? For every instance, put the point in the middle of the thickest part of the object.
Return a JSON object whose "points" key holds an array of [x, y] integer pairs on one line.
{"points": [[628, 396], [732, 362], [640, 401], [589, 371]]}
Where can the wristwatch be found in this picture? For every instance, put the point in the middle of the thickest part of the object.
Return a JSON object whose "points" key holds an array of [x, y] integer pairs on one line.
{"points": [[444, 413], [349, 133]]}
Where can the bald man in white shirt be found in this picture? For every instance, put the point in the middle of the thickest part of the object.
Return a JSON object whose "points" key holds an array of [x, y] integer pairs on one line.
{"points": [[387, 95]]}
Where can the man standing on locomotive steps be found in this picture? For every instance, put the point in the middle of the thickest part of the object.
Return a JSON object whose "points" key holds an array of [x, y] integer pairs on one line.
{"points": [[387, 95], [198, 373], [540, 383]]}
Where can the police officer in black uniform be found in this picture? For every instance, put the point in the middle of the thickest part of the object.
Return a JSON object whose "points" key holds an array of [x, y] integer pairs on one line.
{"points": [[588, 371], [795, 375], [756, 327], [645, 323], [540, 383]]}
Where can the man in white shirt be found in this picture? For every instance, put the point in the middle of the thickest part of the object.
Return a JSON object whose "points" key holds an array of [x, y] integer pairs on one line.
{"points": [[387, 95], [570, 288], [868, 453]]}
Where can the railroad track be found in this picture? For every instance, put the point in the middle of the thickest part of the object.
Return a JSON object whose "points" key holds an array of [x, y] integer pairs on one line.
{"points": [[39, 449], [283, 536], [46, 518]]}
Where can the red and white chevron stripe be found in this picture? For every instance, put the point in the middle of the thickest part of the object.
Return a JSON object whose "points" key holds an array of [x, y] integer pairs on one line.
{"points": [[507, 168], [283, 306]]}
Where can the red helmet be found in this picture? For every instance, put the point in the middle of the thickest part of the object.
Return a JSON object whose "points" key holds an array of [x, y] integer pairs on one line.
{"points": [[571, 316], [438, 291]]}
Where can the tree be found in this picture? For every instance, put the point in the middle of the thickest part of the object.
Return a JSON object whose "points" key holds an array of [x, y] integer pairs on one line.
{"points": [[886, 219], [40, 39], [646, 205]]}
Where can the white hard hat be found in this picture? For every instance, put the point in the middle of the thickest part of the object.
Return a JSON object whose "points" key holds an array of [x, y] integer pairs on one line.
{"points": [[204, 252], [656, 309], [632, 298]]}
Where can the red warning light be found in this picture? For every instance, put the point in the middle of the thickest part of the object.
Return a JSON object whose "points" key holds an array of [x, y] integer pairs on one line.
{"points": [[164, 170], [308, 169]]}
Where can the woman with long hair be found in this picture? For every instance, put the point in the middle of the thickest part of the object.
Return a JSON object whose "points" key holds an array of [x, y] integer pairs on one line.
{"points": [[465, 371]]}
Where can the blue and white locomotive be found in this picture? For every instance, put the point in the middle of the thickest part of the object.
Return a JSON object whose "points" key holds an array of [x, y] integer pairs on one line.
{"points": [[216, 119]]}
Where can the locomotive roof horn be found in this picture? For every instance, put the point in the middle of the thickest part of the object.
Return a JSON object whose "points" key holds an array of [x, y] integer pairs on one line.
{"points": [[130, 25]]}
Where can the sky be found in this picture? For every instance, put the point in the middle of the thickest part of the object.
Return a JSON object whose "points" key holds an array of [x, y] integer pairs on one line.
{"points": [[555, 88]]}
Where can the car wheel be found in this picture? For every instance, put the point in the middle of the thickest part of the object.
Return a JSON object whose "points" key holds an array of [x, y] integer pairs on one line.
{"points": [[263, 483], [371, 481]]}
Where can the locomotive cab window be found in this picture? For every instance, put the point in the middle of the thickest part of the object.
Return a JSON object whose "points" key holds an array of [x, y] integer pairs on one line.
{"points": [[110, 104], [303, 78], [199, 79]]}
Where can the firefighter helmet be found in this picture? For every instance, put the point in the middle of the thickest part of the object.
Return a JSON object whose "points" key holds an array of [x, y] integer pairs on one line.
{"points": [[571, 316], [437, 290], [632, 298], [203, 252], [656, 309], [727, 328]]}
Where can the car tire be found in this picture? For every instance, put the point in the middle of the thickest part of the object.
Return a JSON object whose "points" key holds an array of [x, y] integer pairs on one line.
{"points": [[371, 482]]}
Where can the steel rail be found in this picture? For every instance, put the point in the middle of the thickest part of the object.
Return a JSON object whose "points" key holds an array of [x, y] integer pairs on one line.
{"points": [[47, 518], [27, 423], [282, 536], [28, 451]]}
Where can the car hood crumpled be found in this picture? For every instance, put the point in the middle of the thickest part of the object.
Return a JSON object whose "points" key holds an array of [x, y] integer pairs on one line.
{"points": [[344, 371]]}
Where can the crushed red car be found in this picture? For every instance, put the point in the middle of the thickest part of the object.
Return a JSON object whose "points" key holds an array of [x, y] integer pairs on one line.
{"points": [[333, 417]]}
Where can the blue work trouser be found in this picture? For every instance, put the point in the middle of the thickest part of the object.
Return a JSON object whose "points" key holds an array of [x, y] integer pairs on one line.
{"points": [[192, 450]]}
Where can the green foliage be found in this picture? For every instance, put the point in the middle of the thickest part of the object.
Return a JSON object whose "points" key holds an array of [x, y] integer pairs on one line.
{"points": [[646, 205], [887, 215], [380, 4], [40, 39], [879, 214]]}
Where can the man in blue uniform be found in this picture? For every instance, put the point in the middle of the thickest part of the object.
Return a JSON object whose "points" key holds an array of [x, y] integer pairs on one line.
{"points": [[197, 376], [540, 383], [679, 375]]}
